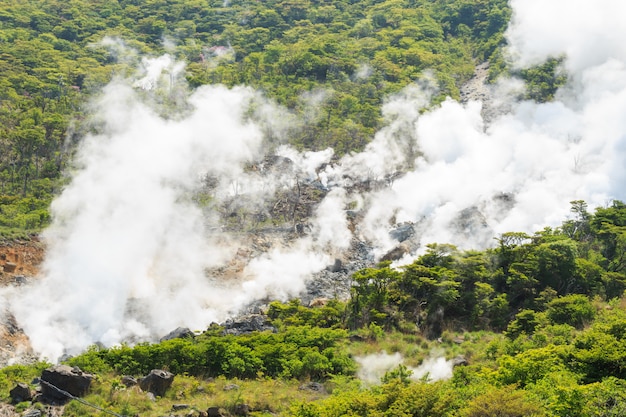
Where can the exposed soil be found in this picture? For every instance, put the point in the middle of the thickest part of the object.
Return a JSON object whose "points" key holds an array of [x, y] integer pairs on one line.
{"points": [[20, 259], [19, 262]]}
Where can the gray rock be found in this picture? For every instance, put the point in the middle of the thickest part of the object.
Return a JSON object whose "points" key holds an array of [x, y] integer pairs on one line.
{"points": [[231, 387], [64, 378], [178, 333], [157, 382], [32, 412], [247, 324], [313, 386], [241, 410], [459, 361], [129, 381], [402, 231], [215, 412], [178, 407], [337, 266]]}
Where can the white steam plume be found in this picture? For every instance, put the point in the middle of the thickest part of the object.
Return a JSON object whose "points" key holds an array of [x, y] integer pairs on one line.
{"points": [[373, 367], [471, 180], [127, 249]]}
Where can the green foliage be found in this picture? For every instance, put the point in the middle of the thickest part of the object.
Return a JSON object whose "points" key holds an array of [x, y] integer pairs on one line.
{"points": [[298, 352], [542, 81], [395, 398], [356, 53], [329, 314], [531, 365], [509, 287], [525, 322], [575, 310], [506, 402], [369, 302]]}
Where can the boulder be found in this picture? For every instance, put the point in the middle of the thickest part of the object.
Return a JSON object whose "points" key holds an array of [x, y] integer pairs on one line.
{"points": [[9, 267], [129, 381], [337, 266], [241, 410], [313, 386], [396, 253], [157, 382], [64, 378], [178, 333], [215, 412], [21, 392], [402, 231], [459, 361]]}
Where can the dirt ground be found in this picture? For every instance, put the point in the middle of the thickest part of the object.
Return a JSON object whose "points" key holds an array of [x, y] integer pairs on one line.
{"points": [[20, 258]]}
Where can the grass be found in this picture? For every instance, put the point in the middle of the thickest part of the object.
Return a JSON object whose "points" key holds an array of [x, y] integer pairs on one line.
{"points": [[264, 397]]}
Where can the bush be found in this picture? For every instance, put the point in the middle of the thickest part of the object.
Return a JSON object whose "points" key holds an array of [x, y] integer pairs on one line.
{"points": [[574, 309]]}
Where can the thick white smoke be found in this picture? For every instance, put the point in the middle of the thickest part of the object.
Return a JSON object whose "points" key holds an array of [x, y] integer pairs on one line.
{"points": [[132, 255], [473, 180]]}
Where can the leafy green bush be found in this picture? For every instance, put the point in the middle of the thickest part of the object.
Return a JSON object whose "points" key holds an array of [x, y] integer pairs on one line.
{"points": [[575, 310], [298, 352]]}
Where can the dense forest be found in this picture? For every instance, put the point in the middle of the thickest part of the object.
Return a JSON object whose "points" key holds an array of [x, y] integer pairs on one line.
{"points": [[56, 55], [539, 319]]}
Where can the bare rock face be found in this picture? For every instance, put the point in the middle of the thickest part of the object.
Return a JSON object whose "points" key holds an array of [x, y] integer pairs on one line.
{"points": [[248, 324], [157, 382], [64, 378]]}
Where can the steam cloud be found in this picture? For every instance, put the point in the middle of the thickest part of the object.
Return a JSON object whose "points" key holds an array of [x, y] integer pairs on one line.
{"points": [[132, 255], [372, 368]]}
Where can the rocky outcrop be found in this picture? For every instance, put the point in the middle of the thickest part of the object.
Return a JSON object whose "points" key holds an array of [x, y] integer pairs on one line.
{"points": [[402, 231], [396, 253], [64, 378], [178, 333], [247, 324], [157, 382]]}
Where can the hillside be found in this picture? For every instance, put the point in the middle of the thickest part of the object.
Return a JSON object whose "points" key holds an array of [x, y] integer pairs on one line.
{"points": [[339, 60], [313, 208]]}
